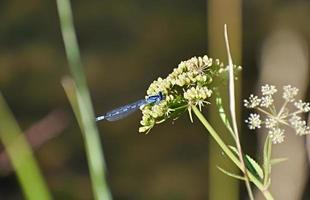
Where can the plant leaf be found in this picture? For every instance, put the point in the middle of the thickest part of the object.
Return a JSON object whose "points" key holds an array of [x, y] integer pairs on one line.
{"points": [[234, 149], [230, 174], [223, 115], [255, 166], [266, 159], [251, 164], [277, 160]]}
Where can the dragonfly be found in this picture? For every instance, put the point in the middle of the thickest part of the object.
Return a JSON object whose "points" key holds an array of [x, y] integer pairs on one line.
{"points": [[126, 110]]}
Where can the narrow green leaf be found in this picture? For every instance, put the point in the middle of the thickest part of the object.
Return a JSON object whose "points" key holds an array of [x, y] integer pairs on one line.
{"points": [[234, 149], [256, 166], [223, 116], [230, 174], [266, 159], [251, 164], [277, 160]]}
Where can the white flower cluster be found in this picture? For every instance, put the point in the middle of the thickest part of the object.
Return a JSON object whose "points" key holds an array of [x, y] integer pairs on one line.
{"points": [[276, 119], [254, 121], [197, 95], [187, 73], [187, 85]]}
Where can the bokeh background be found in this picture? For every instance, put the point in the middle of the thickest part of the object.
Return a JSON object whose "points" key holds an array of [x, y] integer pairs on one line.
{"points": [[125, 45]]}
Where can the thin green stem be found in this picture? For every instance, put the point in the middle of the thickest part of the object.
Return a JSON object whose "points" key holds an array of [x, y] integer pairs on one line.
{"points": [[230, 154], [84, 108], [264, 111], [232, 108], [178, 108]]}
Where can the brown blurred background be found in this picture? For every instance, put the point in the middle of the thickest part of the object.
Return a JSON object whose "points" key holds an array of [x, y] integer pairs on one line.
{"points": [[125, 45]]}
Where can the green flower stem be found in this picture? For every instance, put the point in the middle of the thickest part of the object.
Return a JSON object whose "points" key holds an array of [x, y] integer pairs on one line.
{"points": [[86, 118], [232, 108], [230, 154], [21, 156]]}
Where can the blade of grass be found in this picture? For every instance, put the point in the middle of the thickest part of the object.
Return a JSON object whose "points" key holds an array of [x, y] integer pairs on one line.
{"points": [[21, 156], [85, 112]]}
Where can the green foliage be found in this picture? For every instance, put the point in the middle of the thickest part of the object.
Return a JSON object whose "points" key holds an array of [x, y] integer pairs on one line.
{"points": [[78, 95], [252, 164], [231, 174], [21, 156], [232, 154], [223, 116], [275, 161], [267, 160]]}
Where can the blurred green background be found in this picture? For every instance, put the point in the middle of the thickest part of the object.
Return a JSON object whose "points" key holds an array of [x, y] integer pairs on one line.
{"points": [[125, 45]]}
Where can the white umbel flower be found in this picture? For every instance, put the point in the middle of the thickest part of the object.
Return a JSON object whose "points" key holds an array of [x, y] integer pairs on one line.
{"points": [[290, 93], [266, 101], [302, 106], [268, 89], [271, 122], [254, 121], [252, 102], [276, 135], [273, 118]]}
